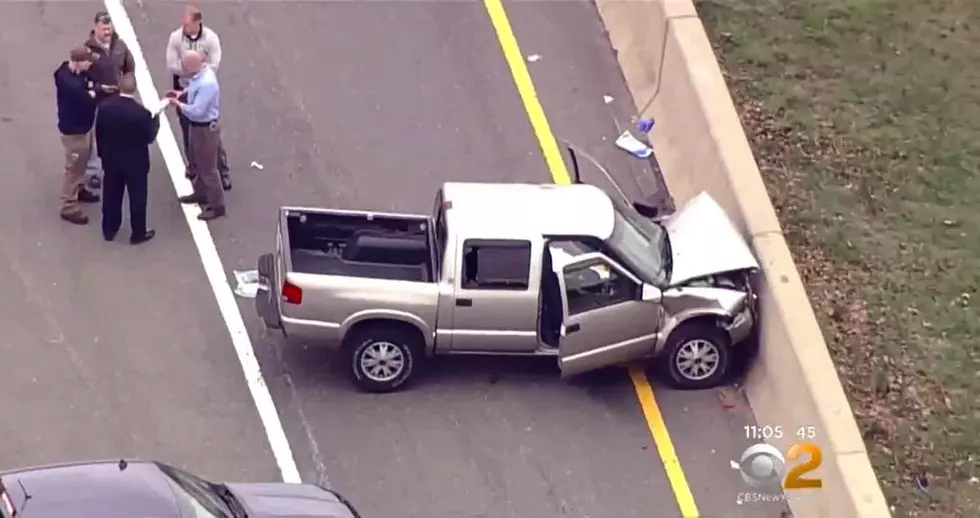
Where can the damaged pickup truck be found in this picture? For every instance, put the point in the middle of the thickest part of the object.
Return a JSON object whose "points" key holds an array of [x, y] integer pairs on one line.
{"points": [[513, 269]]}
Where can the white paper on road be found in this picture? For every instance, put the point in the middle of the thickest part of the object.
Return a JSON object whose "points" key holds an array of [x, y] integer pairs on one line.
{"points": [[247, 283], [160, 105], [627, 142]]}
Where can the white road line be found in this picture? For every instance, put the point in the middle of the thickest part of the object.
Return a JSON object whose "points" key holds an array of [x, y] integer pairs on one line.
{"points": [[209, 258]]}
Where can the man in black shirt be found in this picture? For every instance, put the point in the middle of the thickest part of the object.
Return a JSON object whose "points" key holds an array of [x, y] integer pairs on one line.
{"points": [[125, 130], [76, 113]]}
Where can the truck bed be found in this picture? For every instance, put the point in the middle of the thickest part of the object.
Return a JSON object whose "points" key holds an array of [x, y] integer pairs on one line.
{"points": [[359, 244]]}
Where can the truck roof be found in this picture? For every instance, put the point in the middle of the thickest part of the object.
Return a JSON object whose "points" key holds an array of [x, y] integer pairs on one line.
{"points": [[503, 210]]}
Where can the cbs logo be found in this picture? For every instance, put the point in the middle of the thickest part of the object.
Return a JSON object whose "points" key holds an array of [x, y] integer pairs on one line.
{"points": [[763, 466]]}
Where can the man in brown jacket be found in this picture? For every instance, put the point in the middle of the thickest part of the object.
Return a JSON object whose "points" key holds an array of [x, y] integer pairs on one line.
{"points": [[112, 59]]}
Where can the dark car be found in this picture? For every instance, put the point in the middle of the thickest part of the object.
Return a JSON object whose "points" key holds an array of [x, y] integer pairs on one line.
{"points": [[147, 489]]}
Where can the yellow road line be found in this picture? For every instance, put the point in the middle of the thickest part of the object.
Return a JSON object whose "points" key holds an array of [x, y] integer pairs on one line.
{"points": [[525, 87], [556, 165], [655, 421]]}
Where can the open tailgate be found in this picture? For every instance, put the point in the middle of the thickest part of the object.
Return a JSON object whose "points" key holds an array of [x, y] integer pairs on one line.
{"points": [[272, 269]]}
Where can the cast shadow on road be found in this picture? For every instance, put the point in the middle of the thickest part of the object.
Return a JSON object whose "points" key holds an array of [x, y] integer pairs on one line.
{"points": [[309, 365]]}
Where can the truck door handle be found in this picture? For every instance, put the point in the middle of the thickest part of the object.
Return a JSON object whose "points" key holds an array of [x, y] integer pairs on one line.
{"points": [[464, 302], [574, 328]]}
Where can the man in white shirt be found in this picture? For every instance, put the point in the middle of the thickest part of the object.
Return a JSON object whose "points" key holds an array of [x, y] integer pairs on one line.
{"points": [[193, 35]]}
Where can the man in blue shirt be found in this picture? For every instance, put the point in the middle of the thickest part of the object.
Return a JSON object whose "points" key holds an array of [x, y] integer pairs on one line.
{"points": [[203, 136]]}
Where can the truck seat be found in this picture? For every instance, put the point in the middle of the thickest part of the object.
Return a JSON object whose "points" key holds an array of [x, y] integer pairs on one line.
{"points": [[311, 261], [551, 302], [386, 249]]}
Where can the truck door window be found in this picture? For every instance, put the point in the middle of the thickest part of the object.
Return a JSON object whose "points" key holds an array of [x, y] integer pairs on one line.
{"points": [[596, 284], [497, 264]]}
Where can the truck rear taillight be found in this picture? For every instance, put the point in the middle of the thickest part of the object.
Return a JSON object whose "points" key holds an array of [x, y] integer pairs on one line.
{"points": [[291, 293]]}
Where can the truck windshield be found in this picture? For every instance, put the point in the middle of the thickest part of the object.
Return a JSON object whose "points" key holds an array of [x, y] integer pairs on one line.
{"points": [[641, 243]]}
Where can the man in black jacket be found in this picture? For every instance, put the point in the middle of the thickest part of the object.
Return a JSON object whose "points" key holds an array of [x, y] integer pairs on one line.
{"points": [[125, 130], [76, 114], [112, 59]]}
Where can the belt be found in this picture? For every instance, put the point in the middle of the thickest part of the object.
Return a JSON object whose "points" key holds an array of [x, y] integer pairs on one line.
{"points": [[202, 124]]}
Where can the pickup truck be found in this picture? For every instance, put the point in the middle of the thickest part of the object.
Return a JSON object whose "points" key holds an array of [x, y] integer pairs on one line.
{"points": [[513, 269]]}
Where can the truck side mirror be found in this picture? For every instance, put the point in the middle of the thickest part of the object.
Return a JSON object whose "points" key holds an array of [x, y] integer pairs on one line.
{"points": [[651, 293]]}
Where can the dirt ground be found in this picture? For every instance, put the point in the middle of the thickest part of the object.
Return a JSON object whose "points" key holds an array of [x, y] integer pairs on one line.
{"points": [[865, 120]]}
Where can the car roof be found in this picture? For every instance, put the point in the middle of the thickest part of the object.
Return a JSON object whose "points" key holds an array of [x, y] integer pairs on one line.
{"points": [[517, 210], [98, 489]]}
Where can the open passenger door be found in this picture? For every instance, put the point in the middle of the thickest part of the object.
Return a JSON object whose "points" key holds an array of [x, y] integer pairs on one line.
{"points": [[606, 319]]}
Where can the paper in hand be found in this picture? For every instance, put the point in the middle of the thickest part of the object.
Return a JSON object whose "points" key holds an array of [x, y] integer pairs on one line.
{"points": [[159, 106]]}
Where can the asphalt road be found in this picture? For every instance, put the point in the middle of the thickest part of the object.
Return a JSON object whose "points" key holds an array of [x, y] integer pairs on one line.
{"points": [[107, 349], [115, 350]]}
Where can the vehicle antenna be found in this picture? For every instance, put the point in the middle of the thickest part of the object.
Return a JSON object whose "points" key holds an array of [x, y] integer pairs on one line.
{"points": [[27, 496]]}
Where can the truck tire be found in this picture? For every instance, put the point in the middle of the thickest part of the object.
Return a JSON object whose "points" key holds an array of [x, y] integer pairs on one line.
{"points": [[697, 356], [267, 296], [384, 357]]}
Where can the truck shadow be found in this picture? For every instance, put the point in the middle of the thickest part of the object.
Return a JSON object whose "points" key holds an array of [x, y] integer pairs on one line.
{"points": [[314, 366]]}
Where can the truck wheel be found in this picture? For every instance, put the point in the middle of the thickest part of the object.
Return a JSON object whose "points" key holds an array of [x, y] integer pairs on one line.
{"points": [[384, 358], [697, 356]]}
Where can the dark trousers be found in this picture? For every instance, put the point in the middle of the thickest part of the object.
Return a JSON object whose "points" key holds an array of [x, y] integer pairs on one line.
{"points": [[203, 143], [223, 168], [116, 183]]}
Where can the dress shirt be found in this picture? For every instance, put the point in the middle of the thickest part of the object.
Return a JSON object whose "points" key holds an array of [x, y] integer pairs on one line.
{"points": [[203, 97]]}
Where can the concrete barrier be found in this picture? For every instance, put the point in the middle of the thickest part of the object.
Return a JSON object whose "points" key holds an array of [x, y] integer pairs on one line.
{"points": [[673, 76]]}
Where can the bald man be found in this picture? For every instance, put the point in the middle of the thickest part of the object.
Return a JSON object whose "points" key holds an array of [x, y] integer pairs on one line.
{"points": [[203, 135], [193, 35]]}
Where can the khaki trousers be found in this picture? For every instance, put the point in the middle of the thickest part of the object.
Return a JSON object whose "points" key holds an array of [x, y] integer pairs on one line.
{"points": [[77, 148], [203, 143]]}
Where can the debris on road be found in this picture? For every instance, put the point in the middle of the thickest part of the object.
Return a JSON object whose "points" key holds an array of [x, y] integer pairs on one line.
{"points": [[729, 397], [247, 283], [533, 57], [627, 142], [607, 99], [256, 165], [645, 125]]}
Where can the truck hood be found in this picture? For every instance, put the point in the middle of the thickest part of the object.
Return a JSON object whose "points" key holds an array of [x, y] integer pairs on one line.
{"points": [[704, 242], [282, 500]]}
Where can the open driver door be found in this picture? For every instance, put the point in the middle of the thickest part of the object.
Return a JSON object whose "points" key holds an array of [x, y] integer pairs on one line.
{"points": [[606, 319]]}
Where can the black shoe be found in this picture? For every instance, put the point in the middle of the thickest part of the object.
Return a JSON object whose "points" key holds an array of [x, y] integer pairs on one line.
{"points": [[108, 237], [226, 183], [209, 214], [146, 236], [192, 199], [87, 196], [75, 217]]}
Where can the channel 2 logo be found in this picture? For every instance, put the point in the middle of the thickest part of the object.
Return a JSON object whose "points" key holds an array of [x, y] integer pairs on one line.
{"points": [[763, 466]]}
